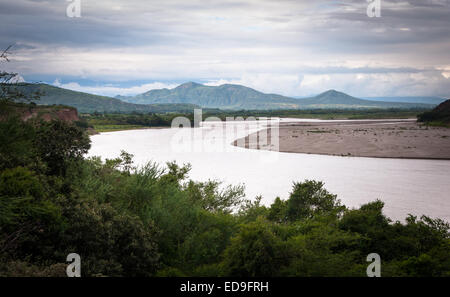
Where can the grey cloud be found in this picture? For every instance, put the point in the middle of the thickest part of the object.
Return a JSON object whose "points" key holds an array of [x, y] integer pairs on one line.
{"points": [[217, 38]]}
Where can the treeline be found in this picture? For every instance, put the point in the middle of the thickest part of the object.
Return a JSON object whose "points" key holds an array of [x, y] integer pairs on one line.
{"points": [[104, 122], [120, 121], [155, 221], [325, 114]]}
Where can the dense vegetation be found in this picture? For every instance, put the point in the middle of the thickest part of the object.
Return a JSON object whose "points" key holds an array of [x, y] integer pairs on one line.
{"points": [[440, 116], [154, 221], [325, 114], [113, 122]]}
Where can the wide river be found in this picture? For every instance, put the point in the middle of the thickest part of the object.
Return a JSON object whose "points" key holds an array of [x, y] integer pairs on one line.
{"points": [[405, 185]]}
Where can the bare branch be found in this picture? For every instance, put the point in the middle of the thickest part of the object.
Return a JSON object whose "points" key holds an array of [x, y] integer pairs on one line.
{"points": [[4, 54]]}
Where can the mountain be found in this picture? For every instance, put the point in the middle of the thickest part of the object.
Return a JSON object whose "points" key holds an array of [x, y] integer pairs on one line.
{"points": [[87, 103], [188, 96], [226, 96], [439, 115], [230, 96], [335, 99], [411, 99]]}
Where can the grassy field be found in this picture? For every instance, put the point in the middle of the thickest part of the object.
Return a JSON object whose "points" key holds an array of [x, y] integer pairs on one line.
{"points": [[111, 128]]}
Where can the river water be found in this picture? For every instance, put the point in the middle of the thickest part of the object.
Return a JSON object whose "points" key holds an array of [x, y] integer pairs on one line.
{"points": [[405, 185]]}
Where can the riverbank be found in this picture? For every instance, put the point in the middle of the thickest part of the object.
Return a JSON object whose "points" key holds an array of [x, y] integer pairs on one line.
{"points": [[115, 128], [120, 122], [381, 139]]}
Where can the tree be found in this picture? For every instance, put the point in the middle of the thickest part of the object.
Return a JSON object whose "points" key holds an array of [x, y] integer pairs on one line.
{"points": [[253, 252], [309, 198], [8, 81], [25, 210], [59, 143], [211, 198], [110, 243], [16, 143], [278, 211]]}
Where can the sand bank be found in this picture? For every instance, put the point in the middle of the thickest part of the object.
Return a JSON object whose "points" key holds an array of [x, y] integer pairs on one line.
{"points": [[383, 139]]}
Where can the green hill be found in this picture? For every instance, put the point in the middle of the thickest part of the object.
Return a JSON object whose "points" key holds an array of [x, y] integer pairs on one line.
{"points": [[240, 97], [438, 116], [335, 99], [225, 96], [88, 103]]}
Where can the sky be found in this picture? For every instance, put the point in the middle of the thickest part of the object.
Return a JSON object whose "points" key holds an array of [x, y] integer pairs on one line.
{"points": [[290, 47]]}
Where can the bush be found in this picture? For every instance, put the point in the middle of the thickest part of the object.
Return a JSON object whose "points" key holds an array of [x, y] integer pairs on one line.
{"points": [[109, 243], [58, 143], [253, 251], [25, 269], [308, 199]]}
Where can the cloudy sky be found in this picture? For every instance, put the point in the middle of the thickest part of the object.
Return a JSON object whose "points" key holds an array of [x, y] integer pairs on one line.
{"points": [[291, 47]]}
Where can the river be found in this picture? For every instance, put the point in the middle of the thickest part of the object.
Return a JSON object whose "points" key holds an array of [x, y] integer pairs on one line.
{"points": [[405, 185]]}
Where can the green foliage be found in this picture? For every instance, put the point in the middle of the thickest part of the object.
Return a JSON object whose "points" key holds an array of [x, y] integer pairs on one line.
{"points": [[58, 143], [212, 199], [278, 211], [153, 220], [110, 122], [109, 242], [203, 247], [319, 249], [250, 210], [308, 199], [440, 116], [21, 268], [254, 251], [16, 139], [22, 197]]}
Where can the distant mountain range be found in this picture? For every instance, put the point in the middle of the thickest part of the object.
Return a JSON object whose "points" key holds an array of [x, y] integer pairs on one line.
{"points": [[411, 99], [230, 96], [88, 103], [191, 95]]}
